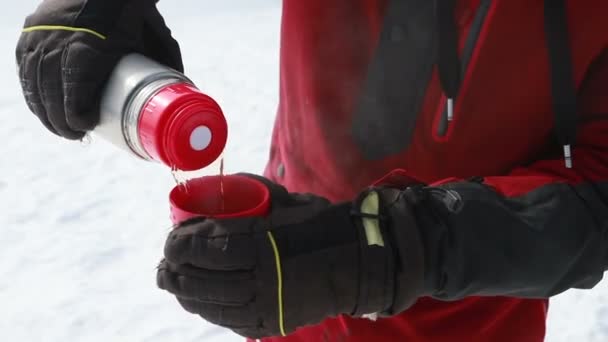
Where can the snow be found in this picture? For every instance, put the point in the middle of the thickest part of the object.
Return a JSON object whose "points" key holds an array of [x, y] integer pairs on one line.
{"points": [[83, 224]]}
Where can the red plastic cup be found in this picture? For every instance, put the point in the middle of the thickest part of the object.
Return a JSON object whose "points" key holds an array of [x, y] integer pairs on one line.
{"points": [[243, 197], [182, 127]]}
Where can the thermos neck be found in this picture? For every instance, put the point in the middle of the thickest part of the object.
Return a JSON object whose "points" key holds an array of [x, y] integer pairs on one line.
{"points": [[133, 74], [135, 107]]}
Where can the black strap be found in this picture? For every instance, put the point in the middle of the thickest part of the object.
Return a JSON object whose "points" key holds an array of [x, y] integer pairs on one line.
{"points": [[397, 78], [448, 60], [562, 80]]}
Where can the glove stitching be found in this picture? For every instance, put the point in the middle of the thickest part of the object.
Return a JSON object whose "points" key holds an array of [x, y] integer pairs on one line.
{"points": [[79, 13], [39, 73], [28, 88], [223, 236], [41, 111], [177, 277], [389, 293], [358, 232], [64, 58], [211, 238]]}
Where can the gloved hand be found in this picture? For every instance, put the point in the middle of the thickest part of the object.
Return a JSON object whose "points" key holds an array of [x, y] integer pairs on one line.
{"points": [[306, 261], [69, 47]]}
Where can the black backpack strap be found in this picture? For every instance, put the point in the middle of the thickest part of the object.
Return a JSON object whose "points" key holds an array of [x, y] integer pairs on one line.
{"points": [[562, 79]]}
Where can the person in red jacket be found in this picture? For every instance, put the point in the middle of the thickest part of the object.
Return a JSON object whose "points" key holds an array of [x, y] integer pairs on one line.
{"points": [[438, 169]]}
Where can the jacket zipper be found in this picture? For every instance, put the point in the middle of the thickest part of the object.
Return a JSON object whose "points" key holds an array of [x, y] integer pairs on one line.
{"points": [[447, 107]]}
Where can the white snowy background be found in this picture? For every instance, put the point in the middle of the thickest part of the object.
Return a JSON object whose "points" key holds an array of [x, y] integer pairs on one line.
{"points": [[82, 226]]}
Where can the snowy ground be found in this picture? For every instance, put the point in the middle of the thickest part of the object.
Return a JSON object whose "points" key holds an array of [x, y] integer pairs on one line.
{"points": [[82, 225]]}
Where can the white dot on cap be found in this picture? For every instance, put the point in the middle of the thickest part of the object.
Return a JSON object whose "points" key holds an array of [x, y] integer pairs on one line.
{"points": [[200, 138]]}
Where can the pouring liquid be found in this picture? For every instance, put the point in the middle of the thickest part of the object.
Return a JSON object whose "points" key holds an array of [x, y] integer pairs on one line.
{"points": [[181, 179], [223, 204]]}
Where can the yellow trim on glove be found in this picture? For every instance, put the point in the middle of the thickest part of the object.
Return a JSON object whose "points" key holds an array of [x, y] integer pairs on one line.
{"points": [[63, 28], [371, 205], [277, 258]]}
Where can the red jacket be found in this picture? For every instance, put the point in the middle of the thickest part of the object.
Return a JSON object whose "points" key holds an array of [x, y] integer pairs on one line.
{"points": [[502, 128]]}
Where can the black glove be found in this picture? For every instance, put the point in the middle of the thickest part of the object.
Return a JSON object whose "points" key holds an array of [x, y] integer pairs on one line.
{"points": [[307, 261], [68, 49]]}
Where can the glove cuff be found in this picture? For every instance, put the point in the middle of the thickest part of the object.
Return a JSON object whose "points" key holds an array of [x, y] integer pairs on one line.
{"points": [[392, 258], [377, 261]]}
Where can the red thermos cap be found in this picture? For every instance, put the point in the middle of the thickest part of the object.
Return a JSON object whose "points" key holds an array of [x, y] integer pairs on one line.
{"points": [[182, 127]]}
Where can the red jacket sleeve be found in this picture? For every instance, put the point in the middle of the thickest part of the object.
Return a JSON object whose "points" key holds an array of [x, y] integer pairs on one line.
{"points": [[535, 232]]}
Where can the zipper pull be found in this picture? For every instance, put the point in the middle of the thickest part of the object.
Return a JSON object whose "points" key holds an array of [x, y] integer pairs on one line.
{"points": [[447, 115], [450, 109], [568, 156]]}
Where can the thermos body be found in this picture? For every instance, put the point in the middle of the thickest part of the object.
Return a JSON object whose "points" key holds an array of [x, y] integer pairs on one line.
{"points": [[157, 114]]}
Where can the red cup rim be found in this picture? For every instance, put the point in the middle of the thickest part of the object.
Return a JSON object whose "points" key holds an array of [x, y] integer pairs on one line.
{"points": [[261, 209]]}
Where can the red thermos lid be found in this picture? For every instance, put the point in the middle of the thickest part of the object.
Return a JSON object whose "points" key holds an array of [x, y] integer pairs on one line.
{"points": [[182, 127]]}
